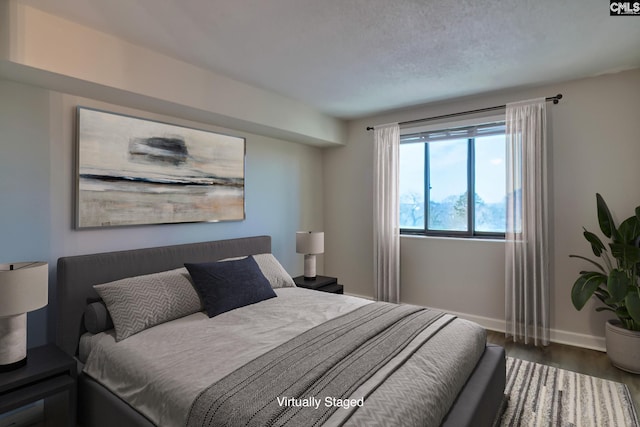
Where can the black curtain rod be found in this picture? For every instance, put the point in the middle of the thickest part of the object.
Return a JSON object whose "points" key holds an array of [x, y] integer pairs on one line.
{"points": [[554, 99]]}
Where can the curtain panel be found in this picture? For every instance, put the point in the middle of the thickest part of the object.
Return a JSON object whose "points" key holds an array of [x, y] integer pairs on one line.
{"points": [[527, 254], [386, 224]]}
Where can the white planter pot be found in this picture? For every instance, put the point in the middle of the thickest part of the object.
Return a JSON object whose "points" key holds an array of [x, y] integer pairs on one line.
{"points": [[623, 347]]}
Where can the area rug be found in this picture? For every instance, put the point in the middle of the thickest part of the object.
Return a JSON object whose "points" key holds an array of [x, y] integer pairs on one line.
{"points": [[540, 395]]}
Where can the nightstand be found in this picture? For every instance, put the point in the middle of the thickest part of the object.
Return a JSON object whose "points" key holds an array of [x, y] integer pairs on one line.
{"points": [[320, 283], [48, 371]]}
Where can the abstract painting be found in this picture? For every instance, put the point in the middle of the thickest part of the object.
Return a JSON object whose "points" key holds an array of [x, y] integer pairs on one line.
{"points": [[136, 171]]}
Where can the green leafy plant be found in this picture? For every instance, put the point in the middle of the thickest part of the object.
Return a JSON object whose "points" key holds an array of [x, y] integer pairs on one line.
{"points": [[615, 282]]}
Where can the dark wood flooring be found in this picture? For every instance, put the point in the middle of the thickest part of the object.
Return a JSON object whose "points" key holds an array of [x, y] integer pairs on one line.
{"points": [[576, 359]]}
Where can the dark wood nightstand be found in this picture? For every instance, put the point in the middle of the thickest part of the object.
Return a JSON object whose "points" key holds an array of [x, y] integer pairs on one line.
{"points": [[321, 283], [48, 371]]}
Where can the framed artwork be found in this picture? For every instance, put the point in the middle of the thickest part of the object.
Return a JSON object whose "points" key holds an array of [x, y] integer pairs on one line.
{"points": [[135, 171]]}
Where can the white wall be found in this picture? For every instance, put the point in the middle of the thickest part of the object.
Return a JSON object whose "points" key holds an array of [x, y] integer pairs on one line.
{"points": [[470, 279], [283, 188], [595, 147]]}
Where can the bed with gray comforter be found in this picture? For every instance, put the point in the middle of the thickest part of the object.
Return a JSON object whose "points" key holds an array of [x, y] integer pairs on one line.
{"points": [[303, 358]]}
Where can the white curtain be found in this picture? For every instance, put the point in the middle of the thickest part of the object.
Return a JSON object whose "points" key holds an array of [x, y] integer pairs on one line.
{"points": [[527, 255], [386, 226]]}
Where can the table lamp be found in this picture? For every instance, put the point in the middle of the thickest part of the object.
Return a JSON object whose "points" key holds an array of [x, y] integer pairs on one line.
{"points": [[23, 287], [309, 243]]}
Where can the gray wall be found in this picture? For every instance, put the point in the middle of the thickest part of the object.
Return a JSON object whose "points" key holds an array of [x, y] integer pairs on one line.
{"points": [[24, 183], [37, 140], [595, 144]]}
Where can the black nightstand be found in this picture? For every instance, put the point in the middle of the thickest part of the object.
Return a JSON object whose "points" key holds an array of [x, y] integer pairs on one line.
{"points": [[48, 371], [321, 283]]}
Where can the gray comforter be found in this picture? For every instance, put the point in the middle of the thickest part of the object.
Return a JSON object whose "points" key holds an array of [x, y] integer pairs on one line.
{"points": [[304, 381], [162, 371]]}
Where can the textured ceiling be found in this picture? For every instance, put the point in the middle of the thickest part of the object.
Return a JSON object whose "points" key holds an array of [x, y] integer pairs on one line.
{"points": [[352, 58]]}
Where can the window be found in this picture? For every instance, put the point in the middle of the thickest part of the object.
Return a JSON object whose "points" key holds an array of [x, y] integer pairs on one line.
{"points": [[453, 181]]}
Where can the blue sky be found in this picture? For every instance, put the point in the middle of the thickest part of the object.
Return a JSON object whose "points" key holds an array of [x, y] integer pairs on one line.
{"points": [[448, 162]]}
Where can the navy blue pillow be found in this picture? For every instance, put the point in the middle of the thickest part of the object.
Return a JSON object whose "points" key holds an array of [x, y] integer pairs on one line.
{"points": [[226, 285]]}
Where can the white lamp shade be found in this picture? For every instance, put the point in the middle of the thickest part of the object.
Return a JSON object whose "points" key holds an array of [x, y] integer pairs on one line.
{"points": [[310, 242], [23, 288]]}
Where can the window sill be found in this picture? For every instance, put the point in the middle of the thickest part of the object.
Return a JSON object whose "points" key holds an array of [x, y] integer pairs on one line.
{"points": [[462, 239]]}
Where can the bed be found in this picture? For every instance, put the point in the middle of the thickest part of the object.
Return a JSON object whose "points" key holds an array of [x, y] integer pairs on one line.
{"points": [[169, 360]]}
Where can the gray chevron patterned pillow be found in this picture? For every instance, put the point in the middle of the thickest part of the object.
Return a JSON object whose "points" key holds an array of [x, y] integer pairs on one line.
{"points": [[138, 303], [274, 271]]}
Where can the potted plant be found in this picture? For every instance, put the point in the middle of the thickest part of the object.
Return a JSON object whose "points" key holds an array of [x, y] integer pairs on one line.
{"points": [[615, 282]]}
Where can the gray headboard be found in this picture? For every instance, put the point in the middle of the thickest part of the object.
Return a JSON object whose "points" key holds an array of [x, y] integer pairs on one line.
{"points": [[78, 274]]}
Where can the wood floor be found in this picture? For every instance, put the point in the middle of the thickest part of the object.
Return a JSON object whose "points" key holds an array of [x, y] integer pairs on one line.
{"points": [[584, 361]]}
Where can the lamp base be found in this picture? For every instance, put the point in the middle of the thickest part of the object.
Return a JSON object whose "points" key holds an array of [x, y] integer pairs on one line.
{"points": [[309, 267], [13, 366], [13, 342]]}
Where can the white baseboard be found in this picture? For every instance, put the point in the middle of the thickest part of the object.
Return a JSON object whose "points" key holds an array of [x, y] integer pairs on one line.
{"points": [[558, 336], [359, 296]]}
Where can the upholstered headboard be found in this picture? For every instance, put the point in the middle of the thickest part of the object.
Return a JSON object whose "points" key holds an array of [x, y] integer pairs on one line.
{"points": [[78, 274]]}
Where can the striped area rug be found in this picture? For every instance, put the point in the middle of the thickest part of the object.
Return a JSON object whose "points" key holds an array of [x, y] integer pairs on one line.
{"points": [[541, 395]]}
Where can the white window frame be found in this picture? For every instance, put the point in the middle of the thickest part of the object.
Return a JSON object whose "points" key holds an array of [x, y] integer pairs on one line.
{"points": [[449, 125]]}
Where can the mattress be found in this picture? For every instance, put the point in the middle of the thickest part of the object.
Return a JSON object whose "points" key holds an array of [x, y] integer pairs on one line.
{"points": [[162, 370]]}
